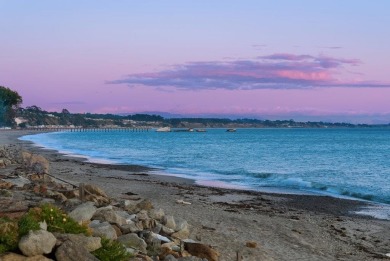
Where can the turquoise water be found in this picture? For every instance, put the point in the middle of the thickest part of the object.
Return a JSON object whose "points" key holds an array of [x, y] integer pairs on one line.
{"points": [[343, 162]]}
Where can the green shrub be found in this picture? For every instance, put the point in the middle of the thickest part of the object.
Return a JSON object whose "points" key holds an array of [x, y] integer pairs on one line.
{"points": [[111, 250], [26, 223], [9, 237], [58, 221]]}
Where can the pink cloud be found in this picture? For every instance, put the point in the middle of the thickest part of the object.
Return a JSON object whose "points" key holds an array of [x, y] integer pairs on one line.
{"points": [[276, 71]]}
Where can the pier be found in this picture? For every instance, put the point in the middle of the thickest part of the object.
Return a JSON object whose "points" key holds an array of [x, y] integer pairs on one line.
{"points": [[54, 129]]}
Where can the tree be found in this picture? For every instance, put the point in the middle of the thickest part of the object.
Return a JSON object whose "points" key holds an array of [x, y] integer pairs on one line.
{"points": [[9, 103]]}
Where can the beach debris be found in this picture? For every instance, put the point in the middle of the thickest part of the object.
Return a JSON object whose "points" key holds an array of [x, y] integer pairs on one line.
{"points": [[202, 251], [180, 201], [251, 244]]}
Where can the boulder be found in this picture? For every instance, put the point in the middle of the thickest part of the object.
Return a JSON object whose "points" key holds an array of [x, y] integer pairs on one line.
{"points": [[37, 243], [133, 241], [169, 222], [70, 251], [19, 182], [142, 215], [136, 206], [180, 224], [89, 243], [132, 227], [83, 212], [98, 200], [157, 214], [72, 193], [202, 251], [35, 163], [182, 234], [103, 229], [5, 184], [95, 190], [16, 257], [112, 216]]}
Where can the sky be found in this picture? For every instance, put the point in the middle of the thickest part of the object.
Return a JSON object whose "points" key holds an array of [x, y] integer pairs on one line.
{"points": [[303, 60]]}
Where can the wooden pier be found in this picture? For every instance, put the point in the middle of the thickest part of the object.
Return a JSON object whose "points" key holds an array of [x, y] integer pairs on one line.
{"points": [[53, 129]]}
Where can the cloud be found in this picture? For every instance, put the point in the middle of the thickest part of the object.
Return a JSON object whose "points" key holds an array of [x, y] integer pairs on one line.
{"points": [[275, 71], [68, 103]]}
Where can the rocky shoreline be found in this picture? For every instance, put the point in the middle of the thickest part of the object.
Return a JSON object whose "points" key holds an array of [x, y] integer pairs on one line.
{"points": [[239, 225]]}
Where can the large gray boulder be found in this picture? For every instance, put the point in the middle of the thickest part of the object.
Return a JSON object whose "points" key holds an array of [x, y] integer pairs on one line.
{"points": [[16, 257], [114, 217], [70, 251], [133, 241], [83, 212], [89, 243], [103, 229], [37, 243]]}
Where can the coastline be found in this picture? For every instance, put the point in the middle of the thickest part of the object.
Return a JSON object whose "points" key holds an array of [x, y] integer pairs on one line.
{"points": [[286, 227]]}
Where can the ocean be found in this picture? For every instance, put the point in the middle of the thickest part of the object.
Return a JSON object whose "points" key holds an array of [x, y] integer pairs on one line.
{"points": [[353, 163]]}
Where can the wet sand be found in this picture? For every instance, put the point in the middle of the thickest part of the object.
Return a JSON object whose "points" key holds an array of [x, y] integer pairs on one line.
{"points": [[285, 227]]}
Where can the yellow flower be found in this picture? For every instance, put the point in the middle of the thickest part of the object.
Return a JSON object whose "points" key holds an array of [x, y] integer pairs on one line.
{"points": [[51, 210], [64, 219]]}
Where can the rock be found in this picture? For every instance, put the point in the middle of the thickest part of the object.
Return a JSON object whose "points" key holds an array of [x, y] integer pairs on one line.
{"points": [[103, 229], [95, 190], [16, 257], [4, 162], [169, 222], [111, 216], [72, 194], [35, 163], [167, 231], [202, 251], [149, 223], [98, 200], [182, 234], [89, 243], [142, 215], [43, 225], [251, 244], [39, 178], [70, 251], [129, 218], [19, 182], [132, 228], [156, 214], [133, 241], [180, 224], [145, 204], [37, 243], [56, 196], [5, 193], [170, 258], [72, 202], [83, 212], [47, 201], [117, 230]]}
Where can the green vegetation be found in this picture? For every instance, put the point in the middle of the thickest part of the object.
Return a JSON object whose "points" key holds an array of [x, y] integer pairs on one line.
{"points": [[56, 219], [111, 250], [9, 236], [9, 103], [28, 222]]}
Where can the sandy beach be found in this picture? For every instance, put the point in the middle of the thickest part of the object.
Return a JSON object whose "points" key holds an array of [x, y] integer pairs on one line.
{"points": [[285, 227]]}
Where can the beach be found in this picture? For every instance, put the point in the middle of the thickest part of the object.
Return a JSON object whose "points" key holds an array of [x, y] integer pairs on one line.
{"points": [[285, 227]]}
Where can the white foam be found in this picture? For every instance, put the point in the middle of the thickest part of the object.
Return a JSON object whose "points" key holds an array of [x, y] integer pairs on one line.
{"points": [[379, 211]]}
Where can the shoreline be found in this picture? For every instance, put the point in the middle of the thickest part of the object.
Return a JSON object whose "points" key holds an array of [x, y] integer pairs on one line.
{"points": [[287, 227], [205, 183]]}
